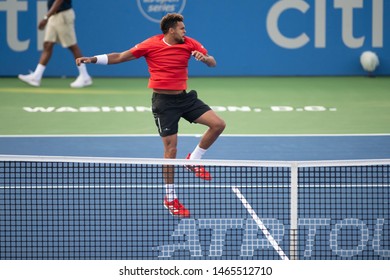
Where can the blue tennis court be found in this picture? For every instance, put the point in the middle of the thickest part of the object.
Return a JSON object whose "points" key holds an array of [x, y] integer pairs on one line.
{"points": [[316, 147]]}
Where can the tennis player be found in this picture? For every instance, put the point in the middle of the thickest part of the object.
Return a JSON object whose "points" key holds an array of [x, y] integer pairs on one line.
{"points": [[167, 57]]}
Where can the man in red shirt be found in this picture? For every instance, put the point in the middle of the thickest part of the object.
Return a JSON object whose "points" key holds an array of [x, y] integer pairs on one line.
{"points": [[167, 57]]}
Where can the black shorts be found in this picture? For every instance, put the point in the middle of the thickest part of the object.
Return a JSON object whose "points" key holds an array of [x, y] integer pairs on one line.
{"points": [[168, 109]]}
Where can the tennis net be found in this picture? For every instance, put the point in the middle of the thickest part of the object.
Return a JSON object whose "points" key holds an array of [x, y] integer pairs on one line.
{"points": [[112, 208]]}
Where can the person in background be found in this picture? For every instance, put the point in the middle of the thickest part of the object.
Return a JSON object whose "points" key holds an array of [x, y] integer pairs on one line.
{"points": [[59, 28]]}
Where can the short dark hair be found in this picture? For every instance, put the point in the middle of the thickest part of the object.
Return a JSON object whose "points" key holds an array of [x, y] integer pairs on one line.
{"points": [[170, 21]]}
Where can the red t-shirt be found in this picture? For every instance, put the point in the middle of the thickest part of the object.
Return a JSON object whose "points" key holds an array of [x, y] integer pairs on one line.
{"points": [[168, 64]]}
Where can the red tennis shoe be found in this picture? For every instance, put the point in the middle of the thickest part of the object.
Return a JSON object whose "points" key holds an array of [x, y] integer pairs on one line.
{"points": [[199, 170], [176, 208]]}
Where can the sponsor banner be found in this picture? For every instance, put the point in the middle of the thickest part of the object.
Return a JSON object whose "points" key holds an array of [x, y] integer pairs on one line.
{"points": [[265, 38], [152, 9]]}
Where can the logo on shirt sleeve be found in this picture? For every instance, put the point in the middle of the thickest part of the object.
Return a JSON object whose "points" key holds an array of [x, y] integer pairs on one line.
{"points": [[153, 9]]}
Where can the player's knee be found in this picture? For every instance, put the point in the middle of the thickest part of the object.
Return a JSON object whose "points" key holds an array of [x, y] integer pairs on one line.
{"points": [[220, 126]]}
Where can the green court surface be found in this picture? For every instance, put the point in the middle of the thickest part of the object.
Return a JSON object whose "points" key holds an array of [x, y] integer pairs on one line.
{"points": [[249, 105]]}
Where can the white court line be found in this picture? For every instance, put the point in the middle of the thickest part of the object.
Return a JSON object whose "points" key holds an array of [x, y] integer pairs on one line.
{"points": [[190, 135], [260, 224]]}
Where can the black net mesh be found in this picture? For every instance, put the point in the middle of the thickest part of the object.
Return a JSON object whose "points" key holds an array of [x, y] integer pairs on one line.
{"points": [[79, 210]]}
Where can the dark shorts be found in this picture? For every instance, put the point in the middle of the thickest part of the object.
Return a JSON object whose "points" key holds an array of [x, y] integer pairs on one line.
{"points": [[168, 109]]}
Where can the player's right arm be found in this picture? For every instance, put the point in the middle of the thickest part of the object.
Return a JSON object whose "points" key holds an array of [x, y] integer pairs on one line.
{"points": [[112, 58]]}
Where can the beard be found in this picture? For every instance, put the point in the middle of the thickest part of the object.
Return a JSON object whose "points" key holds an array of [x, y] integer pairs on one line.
{"points": [[180, 40]]}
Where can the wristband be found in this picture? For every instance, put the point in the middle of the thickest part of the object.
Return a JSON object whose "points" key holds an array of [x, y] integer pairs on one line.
{"points": [[102, 59]]}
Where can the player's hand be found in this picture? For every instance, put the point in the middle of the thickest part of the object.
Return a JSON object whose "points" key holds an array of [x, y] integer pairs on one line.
{"points": [[199, 56], [85, 60], [206, 59]]}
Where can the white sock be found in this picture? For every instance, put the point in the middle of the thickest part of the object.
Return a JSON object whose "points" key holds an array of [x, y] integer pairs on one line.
{"points": [[83, 70], [197, 153], [38, 73], [170, 192]]}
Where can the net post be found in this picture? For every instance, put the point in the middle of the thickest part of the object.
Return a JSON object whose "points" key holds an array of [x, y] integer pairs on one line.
{"points": [[294, 212]]}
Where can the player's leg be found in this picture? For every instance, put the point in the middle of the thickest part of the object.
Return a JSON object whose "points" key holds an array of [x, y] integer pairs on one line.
{"points": [[170, 151], [199, 112], [171, 202], [166, 119], [216, 126]]}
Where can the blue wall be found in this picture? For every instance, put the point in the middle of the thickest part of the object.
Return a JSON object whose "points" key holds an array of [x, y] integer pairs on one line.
{"points": [[316, 37]]}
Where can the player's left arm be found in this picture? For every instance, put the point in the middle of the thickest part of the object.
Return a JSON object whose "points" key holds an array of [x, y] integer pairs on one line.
{"points": [[205, 58]]}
